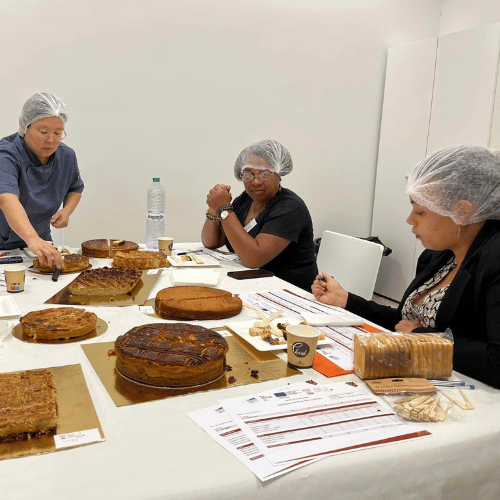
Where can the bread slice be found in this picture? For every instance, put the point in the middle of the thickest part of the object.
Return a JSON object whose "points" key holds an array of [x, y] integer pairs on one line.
{"points": [[105, 281], [417, 355]]}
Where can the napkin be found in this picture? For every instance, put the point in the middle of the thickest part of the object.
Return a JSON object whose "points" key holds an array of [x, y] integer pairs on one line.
{"points": [[202, 277], [319, 319]]}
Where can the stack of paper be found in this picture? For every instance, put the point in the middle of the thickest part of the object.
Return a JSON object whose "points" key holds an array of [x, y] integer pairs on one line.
{"points": [[280, 430]]}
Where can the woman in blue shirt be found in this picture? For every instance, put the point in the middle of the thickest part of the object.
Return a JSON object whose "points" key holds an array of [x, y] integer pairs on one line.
{"points": [[38, 173]]}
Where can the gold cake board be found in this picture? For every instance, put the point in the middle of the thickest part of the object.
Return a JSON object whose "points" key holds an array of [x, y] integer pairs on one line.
{"points": [[137, 296], [76, 413], [242, 358]]}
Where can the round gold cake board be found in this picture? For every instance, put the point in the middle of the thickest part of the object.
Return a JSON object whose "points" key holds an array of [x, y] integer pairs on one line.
{"points": [[101, 327], [170, 388], [38, 271]]}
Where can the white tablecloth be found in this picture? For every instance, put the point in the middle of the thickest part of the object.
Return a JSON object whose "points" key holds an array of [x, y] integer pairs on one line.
{"points": [[155, 451]]}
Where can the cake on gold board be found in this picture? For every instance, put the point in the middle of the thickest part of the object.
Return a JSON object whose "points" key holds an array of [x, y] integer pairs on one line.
{"points": [[105, 281], [58, 323], [104, 249], [196, 302], [28, 405], [171, 355], [140, 259], [71, 264]]}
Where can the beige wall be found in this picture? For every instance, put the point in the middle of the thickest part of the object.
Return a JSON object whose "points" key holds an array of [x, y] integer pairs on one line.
{"points": [[177, 89], [458, 15]]}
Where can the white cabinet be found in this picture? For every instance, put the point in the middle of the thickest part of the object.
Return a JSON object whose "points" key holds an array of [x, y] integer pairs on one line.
{"points": [[438, 92], [403, 142]]}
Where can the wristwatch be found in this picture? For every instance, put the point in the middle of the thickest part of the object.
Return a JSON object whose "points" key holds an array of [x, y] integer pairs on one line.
{"points": [[224, 211]]}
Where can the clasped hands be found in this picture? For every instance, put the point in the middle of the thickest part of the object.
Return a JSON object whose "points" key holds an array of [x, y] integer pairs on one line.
{"points": [[218, 196]]}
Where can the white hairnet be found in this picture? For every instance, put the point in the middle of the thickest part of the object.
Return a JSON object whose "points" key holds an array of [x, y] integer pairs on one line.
{"points": [[457, 173], [41, 105], [276, 155]]}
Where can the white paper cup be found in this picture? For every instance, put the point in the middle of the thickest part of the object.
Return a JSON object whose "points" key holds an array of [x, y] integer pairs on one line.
{"points": [[14, 278], [301, 343], [165, 244]]}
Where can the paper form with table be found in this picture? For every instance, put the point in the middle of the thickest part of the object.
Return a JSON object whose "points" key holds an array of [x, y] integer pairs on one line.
{"points": [[291, 426]]}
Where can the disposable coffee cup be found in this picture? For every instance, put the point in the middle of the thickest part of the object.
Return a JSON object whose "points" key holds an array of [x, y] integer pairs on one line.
{"points": [[165, 244], [301, 345], [14, 278]]}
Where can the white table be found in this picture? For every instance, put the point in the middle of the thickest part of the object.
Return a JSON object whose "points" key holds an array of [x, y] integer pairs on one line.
{"points": [[155, 451]]}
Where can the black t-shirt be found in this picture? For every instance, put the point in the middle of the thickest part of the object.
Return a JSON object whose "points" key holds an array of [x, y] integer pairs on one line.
{"points": [[286, 216]]}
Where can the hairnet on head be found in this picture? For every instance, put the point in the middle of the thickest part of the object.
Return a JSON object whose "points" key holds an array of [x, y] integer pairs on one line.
{"points": [[41, 105], [276, 155], [457, 173]]}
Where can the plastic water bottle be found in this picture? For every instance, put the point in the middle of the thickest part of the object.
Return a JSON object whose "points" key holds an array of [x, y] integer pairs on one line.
{"points": [[155, 224]]}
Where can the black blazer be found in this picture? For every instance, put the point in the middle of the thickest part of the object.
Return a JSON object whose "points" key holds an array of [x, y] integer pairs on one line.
{"points": [[470, 307]]}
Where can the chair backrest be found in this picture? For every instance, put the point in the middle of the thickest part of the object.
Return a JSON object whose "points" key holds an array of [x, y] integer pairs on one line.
{"points": [[353, 262]]}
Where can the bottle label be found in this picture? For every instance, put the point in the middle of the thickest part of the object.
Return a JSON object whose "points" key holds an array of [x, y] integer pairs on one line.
{"points": [[155, 217]]}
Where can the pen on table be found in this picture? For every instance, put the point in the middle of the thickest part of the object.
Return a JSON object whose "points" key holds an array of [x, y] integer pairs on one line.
{"points": [[446, 382]]}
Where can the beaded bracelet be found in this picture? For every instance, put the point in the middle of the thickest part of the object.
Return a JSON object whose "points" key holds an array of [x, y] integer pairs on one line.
{"points": [[210, 216]]}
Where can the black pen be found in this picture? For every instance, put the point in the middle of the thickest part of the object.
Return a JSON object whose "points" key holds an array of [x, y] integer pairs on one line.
{"points": [[56, 274]]}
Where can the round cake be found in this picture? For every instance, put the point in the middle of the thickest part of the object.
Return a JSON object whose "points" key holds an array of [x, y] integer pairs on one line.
{"points": [[71, 264], [104, 249], [58, 323], [171, 354], [196, 302], [139, 259]]}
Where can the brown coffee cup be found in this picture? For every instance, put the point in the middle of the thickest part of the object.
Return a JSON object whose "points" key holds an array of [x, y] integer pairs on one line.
{"points": [[165, 244], [301, 345], [14, 278]]}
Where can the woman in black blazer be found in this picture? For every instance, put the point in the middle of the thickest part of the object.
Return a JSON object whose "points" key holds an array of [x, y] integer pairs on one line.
{"points": [[455, 197]]}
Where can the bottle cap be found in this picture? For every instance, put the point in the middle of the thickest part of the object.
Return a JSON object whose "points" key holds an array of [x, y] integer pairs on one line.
{"points": [[156, 179]]}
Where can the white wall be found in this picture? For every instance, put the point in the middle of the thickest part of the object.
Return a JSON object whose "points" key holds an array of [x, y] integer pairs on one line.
{"points": [[177, 89], [458, 15]]}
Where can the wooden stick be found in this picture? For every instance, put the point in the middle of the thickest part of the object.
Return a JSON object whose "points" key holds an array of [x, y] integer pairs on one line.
{"points": [[453, 400], [467, 401]]}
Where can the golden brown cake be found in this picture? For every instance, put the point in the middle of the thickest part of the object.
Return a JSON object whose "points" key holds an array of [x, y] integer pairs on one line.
{"points": [[102, 248], [196, 302], [139, 259], [58, 323], [380, 355], [71, 264], [105, 281], [171, 354], [28, 404]]}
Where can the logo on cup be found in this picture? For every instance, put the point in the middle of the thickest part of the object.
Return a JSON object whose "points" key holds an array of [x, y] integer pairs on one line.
{"points": [[300, 349], [171, 245]]}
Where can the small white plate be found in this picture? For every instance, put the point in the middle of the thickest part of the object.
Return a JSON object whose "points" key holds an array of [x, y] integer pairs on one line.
{"points": [[207, 262], [242, 330], [8, 307]]}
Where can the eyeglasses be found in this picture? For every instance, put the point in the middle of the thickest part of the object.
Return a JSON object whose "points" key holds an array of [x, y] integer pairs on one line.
{"points": [[263, 176], [44, 135]]}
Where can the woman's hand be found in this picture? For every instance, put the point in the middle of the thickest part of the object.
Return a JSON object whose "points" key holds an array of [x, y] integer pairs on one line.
{"points": [[328, 291], [60, 219], [45, 251], [407, 325], [218, 196]]}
